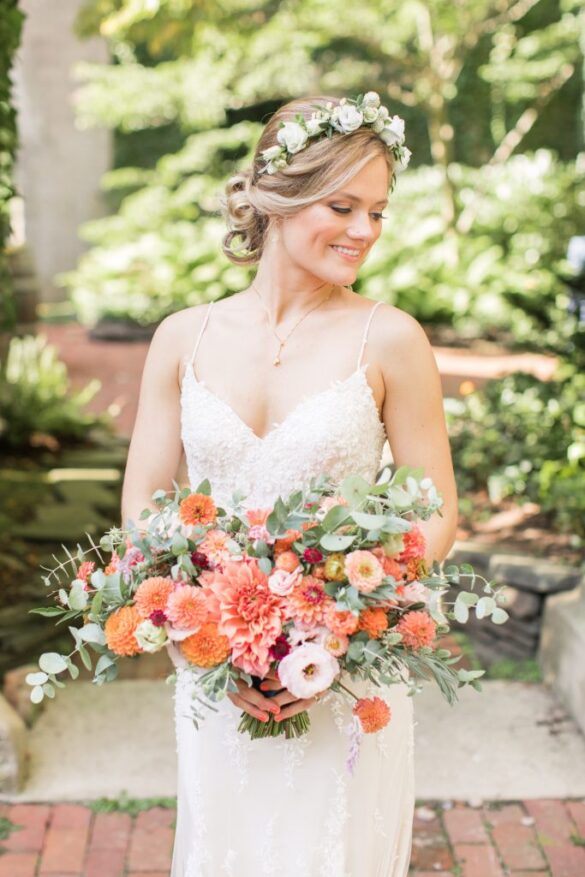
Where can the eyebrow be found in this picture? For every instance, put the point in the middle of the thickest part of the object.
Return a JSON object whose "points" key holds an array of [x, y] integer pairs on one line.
{"points": [[357, 200]]}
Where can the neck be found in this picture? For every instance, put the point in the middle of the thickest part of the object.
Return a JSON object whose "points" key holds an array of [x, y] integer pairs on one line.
{"points": [[288, 290]]}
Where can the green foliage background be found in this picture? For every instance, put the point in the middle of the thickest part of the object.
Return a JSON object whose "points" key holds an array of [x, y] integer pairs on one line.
{"points": [[11, 19]]}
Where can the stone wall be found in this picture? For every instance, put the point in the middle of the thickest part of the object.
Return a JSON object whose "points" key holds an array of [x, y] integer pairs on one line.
{"points": [[59, 167]]}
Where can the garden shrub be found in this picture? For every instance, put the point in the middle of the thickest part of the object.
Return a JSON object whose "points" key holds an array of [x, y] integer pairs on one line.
{"points": [[522, 437], [36, 401]]}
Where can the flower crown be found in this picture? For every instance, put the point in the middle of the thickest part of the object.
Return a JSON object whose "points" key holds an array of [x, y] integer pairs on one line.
{"points": [[345, 118]]}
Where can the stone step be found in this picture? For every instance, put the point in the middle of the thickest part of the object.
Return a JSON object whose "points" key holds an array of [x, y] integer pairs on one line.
{"points": [[511, 741]]}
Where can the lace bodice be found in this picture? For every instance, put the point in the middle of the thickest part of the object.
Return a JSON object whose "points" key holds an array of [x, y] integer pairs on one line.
{"points": [[336, 431]]}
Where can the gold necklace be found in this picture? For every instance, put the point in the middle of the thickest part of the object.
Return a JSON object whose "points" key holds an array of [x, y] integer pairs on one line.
{"points": [[282, 341]]}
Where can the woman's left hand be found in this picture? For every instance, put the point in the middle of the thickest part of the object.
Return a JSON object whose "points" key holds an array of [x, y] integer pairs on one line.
{"points": [[289, 704]]}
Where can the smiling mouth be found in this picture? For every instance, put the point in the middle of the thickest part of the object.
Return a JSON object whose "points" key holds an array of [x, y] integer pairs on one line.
{"points": [[348, 252]]}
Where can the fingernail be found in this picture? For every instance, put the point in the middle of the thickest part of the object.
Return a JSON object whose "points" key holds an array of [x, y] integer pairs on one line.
{"points": [[263, 686], [264, 717], [274, 707]]}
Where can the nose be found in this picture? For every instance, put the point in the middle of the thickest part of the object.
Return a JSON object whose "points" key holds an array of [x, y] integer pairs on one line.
{"points": [[360, 228]]}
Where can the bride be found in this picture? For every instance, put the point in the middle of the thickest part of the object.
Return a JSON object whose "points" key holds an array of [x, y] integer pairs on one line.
{"points": [[296, 376]]}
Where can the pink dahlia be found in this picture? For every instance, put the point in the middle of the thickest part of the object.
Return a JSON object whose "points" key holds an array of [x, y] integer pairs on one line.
{"points": [[364, 570], [186, 608], [414, 545], [417, 629], [250, 615], [308, 601]]}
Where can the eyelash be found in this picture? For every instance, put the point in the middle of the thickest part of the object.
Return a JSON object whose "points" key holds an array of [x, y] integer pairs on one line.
{"points": [[345, 210]]}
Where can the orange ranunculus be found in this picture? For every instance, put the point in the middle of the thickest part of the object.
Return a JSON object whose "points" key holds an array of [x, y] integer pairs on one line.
{"points": [[374, 621], [373, 713], [197, 508], [207, 647], [119, 630]]}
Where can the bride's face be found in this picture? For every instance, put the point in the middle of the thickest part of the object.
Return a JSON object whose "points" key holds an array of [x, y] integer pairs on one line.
{"points": [[331, 238]]}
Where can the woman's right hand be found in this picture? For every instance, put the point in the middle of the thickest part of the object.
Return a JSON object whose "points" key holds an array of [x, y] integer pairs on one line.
{"points": [[253, 701]]}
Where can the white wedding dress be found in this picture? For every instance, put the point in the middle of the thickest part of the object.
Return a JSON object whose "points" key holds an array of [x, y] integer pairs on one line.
{"points": [[268, 807]]}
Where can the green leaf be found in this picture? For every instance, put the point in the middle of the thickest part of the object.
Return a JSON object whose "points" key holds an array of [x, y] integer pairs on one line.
{"points": [[78, 597], [179, 544], [52, 662], [369, 521], [354, 489], [485, 606], [460, 611], [85, 656], [49, 690], [499, 615], [265, 565], [49, 612], [36, 678], [37, 694], [331, 542], [335, 517], [104, 661], [356, 650], [93, 633]]}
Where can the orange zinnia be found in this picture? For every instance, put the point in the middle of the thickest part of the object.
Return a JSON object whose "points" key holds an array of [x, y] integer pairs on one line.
{"points": [[197, 508], [373, 713], [207, 647], [374, 621], [152, 595], [119, 630]]}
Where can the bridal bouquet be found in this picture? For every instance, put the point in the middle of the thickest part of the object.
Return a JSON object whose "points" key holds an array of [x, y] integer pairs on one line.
{"points": [[327, 584]]}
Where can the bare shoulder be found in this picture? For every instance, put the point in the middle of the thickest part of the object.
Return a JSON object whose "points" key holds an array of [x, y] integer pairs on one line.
{"points": [[398, 342]]}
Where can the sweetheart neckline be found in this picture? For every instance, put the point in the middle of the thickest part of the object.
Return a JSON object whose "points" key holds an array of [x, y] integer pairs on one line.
{"points": [[276, 427]]}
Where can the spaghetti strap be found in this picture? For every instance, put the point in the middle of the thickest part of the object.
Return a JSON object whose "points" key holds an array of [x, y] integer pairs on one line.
{"points": [[367, 329], [201, 331]]}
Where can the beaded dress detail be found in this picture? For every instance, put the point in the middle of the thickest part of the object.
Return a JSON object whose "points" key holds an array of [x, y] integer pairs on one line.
{"points": [[262, 808]]}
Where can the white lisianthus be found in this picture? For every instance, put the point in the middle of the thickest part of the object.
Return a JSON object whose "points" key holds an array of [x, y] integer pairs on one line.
{"points": [[378, 125], [372, 99], [348, 119], [313, 126], [271, 153], [176, 635], [293, 136], [393, 132], [149, 637], [308, 670], [370, 114], [383, 113], [401, 163]]}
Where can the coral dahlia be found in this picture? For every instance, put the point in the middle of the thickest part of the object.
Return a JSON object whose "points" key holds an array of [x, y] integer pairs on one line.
{"points": [[308, 601], [119, 630], [374, 621], [152, 594], [417, 628], [187, 607], [373, 713], [206, 648]]}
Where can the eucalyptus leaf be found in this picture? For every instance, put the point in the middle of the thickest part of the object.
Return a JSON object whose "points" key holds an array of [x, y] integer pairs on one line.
{"points": [[332, 542], [335, 517], [78, 597], [485, 606], [103, 663], [354, 489], [36, 678], [265, 565], [461, 612], [499, 615], [368, 521], [49, 690], [85, 656], [52, 662], [92, 633], [37, 694]]}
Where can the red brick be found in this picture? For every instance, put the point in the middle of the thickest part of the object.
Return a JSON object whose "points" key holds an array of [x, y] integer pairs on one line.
{"points": [[554, 828], [431, 874], [111, 830], [66, 841], [33, 818], [166, 874], [151, 842], [430, 847], [518, 844], [577, 813], [104, 862], [18, 865], [478, 860], [464, 825]]}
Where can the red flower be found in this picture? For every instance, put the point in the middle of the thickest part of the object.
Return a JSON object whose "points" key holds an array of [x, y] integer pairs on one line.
{"points": [[280, 648], [312, 555], [158, 618], [199, 559]]}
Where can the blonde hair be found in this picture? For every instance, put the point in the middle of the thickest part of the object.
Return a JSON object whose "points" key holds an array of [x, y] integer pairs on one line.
{"points": [[252, 200]]}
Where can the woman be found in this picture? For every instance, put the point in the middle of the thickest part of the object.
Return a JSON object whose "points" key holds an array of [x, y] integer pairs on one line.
{"points": [[295, 376]]}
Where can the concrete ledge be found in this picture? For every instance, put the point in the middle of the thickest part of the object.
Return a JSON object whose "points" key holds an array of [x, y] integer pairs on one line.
{"points": [[562, 647], [13, 749]]}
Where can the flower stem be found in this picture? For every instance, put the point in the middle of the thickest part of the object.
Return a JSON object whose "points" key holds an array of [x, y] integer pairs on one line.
{"points": [[295, 726]]}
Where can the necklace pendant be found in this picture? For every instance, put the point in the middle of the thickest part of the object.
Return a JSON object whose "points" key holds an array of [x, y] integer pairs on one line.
{"points": [[276, 361]]}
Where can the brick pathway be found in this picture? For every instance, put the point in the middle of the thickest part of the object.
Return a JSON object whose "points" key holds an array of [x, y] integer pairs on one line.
{"points": [[540, 838]]}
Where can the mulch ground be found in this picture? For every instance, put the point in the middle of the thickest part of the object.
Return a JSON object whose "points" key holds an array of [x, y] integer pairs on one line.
{"points": [[536, 838]]}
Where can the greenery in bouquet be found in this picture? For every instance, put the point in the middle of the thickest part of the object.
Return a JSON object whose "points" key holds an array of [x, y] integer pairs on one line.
{"points": [[329, 584]]}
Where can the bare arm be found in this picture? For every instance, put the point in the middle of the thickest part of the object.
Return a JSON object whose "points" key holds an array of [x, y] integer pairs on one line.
{"points": [[415, 421], [155, 448]]}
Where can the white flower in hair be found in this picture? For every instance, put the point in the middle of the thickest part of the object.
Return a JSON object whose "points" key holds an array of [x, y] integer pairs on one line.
{"points": [[370, 114], [402, 159], [348, 119], [393, 132], [271, 153], [293, 136], [314, 125], [372, 99]]}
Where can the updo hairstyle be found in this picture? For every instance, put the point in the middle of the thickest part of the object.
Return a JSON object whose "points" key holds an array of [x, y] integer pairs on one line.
{"points": [[253, 200]]}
